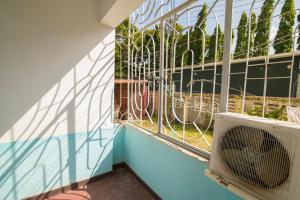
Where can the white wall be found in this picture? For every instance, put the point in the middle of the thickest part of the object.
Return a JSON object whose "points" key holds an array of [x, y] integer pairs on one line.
{"points": [[56, 78], [56, 68], [113, 12]]}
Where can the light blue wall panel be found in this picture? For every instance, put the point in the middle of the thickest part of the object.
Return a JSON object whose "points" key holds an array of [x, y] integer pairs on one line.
{"points": [[170, 173], [119, 148], [34, 166]]}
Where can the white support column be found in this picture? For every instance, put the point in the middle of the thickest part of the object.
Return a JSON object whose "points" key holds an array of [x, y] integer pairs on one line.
{"points": [[161, 77], [226, 57], [128, 70]]}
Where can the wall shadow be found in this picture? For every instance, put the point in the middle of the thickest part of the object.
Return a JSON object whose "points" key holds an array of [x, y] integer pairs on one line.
{"points": [[67, 135]]}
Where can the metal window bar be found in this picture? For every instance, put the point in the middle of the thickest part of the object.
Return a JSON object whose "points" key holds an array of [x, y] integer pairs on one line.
{"points": [[173, 98]]}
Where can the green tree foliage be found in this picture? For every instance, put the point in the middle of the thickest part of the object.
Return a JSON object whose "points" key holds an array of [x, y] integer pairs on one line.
{"points": [[121, 47], [156, 36], [252, 32], [212, 45], [155, 48], [284, 38], [118, 57], [121, 50], [278, 114], [173, 37], [181, 46], [198, 36], [298, 41], [242, 38], [261, 39], [243, 31]]}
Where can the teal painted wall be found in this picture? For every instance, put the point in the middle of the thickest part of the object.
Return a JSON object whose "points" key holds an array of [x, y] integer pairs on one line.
{"points": [[119, 148], [34, 166], [170, 173]]}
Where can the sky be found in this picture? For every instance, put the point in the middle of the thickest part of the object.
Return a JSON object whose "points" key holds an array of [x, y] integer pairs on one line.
{"points": [[238, 7]]}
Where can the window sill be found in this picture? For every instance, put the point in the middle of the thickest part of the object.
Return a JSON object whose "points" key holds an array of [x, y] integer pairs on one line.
{"points": [[184, 148]]}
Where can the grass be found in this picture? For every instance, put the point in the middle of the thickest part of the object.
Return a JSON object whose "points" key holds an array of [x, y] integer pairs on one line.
{"points": [[192, 135]]}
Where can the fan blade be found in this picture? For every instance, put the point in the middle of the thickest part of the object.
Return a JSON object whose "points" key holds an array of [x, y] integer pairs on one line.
{"points": [[252, 136], [243, 136], [239, 163], [273, 167]]}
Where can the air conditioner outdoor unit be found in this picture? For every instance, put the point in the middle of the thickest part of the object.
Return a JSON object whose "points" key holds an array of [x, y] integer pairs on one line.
{"points": [[256, 157]]}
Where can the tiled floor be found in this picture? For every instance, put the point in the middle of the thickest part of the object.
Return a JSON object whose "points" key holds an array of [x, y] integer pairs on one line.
{"points": [[121, 184]]}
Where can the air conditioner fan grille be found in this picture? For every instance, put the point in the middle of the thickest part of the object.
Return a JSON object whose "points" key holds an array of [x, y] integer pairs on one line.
{"points": [[255, 156]]}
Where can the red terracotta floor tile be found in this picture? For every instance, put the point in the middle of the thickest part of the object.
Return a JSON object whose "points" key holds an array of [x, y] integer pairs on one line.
{"points": [[119, 185]]}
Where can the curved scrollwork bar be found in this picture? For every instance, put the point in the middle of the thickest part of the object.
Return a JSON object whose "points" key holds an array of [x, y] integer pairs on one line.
{"points": [[185, 100]]}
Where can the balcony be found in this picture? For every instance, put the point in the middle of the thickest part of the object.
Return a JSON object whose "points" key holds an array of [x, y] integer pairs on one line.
{"points": [[118, 99]]}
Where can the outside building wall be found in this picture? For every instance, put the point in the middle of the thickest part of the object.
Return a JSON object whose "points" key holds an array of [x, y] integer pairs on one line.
{"points": [[298, 86]]}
